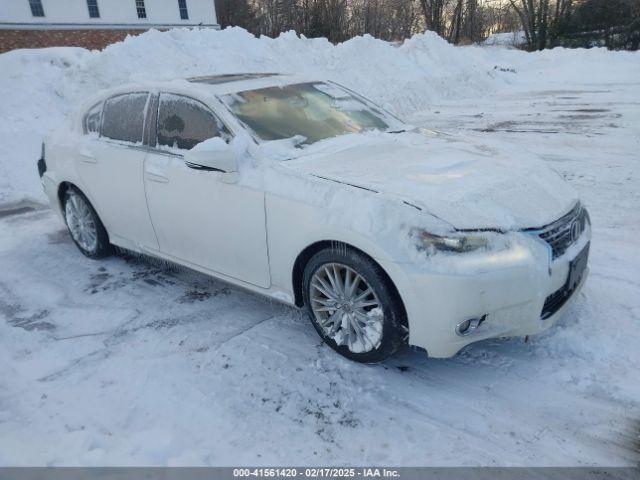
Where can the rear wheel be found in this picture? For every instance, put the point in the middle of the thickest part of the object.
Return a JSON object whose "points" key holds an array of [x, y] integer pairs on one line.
{"points": [[84, 225], [353, 305]]}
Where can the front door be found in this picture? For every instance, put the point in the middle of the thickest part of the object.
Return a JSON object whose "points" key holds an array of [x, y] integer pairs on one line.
{"points": [[198, 218]]}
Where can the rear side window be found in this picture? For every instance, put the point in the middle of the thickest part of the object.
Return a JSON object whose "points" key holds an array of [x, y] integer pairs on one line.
{"points": [[123, 117], [92, 119], [184, 122]]}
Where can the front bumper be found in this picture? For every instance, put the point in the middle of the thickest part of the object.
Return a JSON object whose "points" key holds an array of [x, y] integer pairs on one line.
{"points": [[507, 289]]}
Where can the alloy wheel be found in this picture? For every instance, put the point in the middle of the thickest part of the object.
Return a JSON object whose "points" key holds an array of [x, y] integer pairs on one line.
{"points": [[346, 308], [81, 223]]}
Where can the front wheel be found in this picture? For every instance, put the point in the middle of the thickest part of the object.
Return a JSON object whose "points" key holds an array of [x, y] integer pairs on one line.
{"points": [[84, 225], [353, 305]]}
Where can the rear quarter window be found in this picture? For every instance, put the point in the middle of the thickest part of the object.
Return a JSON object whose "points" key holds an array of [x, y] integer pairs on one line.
{"points": [[92, 119]]}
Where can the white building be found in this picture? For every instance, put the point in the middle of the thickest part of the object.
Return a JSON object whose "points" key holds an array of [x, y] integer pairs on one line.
{"points": [[41, 23], [107, 13]]}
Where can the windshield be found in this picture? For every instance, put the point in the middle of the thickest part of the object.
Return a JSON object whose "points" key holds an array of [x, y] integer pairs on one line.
{"points": [[314, 111]]}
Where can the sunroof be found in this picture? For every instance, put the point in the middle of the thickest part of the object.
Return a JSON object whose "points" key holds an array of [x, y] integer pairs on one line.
{"points": [[229, 77]]}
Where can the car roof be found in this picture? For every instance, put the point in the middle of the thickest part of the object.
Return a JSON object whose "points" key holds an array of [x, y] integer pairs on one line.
{"points": [[238, 82], [218, 84], [229, 77]]}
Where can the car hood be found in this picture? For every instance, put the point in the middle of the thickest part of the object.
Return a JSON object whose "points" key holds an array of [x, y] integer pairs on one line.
{"points": [[467, 184]]}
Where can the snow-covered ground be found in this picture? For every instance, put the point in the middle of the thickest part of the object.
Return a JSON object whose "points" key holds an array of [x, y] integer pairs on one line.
{"points": [[507, 39], [123, 361]]}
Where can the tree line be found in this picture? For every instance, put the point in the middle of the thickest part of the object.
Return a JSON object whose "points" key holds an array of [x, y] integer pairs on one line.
{"points": [[544, 23]]}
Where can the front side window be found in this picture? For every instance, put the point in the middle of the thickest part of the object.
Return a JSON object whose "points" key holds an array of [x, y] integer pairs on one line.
{"points": [[94, 11], [314, 111], [140, 9], [182, 6], [123, 117], [184, 122], [92, 119], [36, 8]]}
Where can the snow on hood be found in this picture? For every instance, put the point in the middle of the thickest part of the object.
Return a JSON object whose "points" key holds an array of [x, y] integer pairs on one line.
{"points": [[463, 183]]}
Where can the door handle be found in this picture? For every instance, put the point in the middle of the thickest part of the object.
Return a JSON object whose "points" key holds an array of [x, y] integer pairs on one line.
{"points": [[156, 177], [86, 156]]}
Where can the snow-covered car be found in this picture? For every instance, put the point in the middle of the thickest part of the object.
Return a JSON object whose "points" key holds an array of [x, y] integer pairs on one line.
{"points": [[309, 193]]}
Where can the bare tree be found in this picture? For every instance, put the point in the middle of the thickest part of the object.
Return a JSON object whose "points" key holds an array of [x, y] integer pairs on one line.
{"points": [[546, 23], [238, 13], [434, 15], [385, 19], [500, 17], [541, 20]]}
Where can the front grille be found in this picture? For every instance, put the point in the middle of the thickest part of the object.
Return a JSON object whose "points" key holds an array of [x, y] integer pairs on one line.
{"points": [[565, 231], [557, 299], [554, 302]]}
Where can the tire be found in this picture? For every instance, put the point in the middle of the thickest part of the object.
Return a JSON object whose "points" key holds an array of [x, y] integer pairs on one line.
{"points": [[361, 327], [84, 225]]}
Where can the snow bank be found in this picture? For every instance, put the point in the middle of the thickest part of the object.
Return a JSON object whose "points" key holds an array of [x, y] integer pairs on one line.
{"points": [[39, 87], [507, 39]]}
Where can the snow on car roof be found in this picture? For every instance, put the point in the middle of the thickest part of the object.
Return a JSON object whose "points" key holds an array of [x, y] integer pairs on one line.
{"points": [[229, 77], [236, 82], [219, 84]]}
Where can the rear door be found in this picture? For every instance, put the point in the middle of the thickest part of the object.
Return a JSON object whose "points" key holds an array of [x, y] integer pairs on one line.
{"points": [[198, 217], [111, 166]]}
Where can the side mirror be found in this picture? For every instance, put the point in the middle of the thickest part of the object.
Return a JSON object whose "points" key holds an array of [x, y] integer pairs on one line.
{"points": [[212, 154]]}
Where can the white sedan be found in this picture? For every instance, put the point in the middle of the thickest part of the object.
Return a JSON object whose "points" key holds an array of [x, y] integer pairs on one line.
{"points": [[309, 193]]}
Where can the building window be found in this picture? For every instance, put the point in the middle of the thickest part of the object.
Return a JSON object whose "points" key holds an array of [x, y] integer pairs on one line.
{"points": [[182, 5], [36, 8], [142, 12], [94, 12]]}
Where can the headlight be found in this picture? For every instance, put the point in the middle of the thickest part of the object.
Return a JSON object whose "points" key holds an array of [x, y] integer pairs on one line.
{"points": [[450, 243]]}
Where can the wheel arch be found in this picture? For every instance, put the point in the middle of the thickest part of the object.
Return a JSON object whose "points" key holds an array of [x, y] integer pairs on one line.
{"points": [[305, 255], [63, 187]]}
